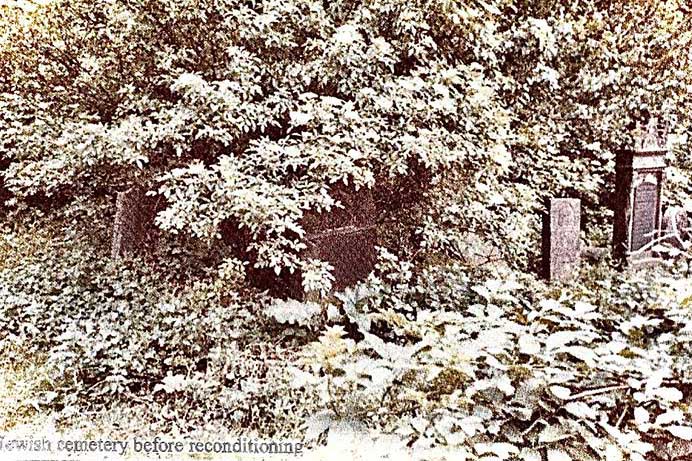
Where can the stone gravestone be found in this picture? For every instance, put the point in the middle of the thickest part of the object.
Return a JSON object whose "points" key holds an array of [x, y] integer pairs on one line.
{"points": [[561, 244], [134, 228], [638, 184], [343, 237], [676, 227]]}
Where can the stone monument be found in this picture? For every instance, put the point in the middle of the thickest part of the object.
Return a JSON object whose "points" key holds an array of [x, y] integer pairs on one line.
{"points": [[343, 237], [638, 182], [561, 244], [134, 228]]}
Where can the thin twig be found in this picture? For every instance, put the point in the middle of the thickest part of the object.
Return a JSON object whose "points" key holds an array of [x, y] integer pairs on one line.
{"points": [[622, 417], [533, 424], [592, 392]]}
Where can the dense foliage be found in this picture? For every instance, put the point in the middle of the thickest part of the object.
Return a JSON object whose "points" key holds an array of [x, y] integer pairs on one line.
{"points": [[189, 355], [249, 111], [513, 369], [498, 365]]}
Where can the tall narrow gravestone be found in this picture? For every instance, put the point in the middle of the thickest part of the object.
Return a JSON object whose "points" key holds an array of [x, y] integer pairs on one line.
{"points": [[134, 227], [561, 245], [638, 182]]}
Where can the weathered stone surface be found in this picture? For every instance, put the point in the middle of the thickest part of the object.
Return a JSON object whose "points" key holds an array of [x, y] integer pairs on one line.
{"points": [[133, 228], [637, 218], [561, 244], [343, 237], [644, 217], [350, 250]]}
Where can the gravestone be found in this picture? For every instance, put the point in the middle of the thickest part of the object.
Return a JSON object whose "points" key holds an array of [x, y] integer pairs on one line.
{"points": [[638, 184], [676, 227], [343, 237], [133, 227], [561, 244]]}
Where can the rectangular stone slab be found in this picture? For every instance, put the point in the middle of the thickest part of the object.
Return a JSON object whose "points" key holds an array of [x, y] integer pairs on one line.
{"points": [[133, 227], [644, 215], [343, 237], [561, 243]]}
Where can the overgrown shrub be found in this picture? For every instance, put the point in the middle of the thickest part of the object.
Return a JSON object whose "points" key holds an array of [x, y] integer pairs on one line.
{"points": [[108, 333], [251, 112], [510, 367]]}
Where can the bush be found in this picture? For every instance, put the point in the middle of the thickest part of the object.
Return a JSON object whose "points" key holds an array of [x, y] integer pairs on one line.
{"points": [[489, 106], [597, 369], [109, 333]]}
